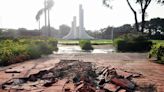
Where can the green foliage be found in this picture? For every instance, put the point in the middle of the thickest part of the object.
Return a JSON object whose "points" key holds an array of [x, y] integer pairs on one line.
{"points": [[101, 42], [158, 41], [33, 51], [85, 45], [53, 42], [45, 48], [157, 51], [155, 25], [93, 42], [132, 43], [13, 51], [5, 56]]}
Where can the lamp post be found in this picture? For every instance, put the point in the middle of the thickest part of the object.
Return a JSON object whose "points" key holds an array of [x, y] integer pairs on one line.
{"points": [[112, 34]]}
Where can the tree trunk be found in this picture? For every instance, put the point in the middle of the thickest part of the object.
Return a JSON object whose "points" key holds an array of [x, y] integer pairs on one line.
{"points": [[49, 30], [149, 32], [136, 22], [39, 24], [39, 28], [135, 16], [45, 12], [143, 21], [144, 5]]}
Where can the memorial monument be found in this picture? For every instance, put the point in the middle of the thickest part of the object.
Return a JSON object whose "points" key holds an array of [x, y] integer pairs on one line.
{"points": [[78, 33]]}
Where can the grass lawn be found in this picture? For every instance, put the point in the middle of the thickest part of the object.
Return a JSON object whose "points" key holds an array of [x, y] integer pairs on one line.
{"points": [[101, 42], [158, 41], [94, 42]]}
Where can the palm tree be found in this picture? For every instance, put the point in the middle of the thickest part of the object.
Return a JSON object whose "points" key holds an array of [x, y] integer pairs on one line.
{"points": [[45, 12], [49, 5], [39, 13]]}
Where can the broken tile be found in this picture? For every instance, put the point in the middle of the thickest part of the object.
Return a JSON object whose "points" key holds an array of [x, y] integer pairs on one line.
{"points": [[124, 83], [124, 74], [111, 87]]}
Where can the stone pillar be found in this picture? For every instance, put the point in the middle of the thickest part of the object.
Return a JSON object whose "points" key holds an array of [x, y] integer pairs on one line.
{"points": [[81, 20], [74, 28]]}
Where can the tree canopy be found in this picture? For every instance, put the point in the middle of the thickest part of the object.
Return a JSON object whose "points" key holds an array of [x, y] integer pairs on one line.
{"points": [[143, 7], [49, 4], [155, 25], [39, 13]]}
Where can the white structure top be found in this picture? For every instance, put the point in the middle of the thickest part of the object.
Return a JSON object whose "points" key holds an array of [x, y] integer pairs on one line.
{"points": [[78, 33]]}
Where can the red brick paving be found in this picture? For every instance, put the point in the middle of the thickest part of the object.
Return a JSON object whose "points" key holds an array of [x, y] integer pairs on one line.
{"points": [[152, 72]]}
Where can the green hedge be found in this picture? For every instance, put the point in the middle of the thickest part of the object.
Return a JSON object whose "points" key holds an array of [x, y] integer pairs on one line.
{"points": [[157, 51], [132, 43], [85, 45], [13, 51]]}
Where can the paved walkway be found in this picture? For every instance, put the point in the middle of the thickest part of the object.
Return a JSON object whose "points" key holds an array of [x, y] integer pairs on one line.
{"points": [[137, 62]]}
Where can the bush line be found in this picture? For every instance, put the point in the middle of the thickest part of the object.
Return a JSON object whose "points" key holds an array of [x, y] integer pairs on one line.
{"points": [[19, 50]]}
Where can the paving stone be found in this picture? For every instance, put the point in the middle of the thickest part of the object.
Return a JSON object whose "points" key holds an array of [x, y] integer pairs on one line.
{"points": [[124, 74], [122, 90], [111, 87], [154, 75], [13, 71], [57, 87], [70, 86], [124, 83], [101, 90]]}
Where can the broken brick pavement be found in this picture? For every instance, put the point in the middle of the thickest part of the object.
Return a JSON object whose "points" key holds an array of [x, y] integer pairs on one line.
{"points": [[70, 76]]}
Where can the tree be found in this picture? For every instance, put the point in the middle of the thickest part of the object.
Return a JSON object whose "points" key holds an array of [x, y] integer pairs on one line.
{"points": [[143, 6], [63, 30], [106, 3], [45, 12], [39, 13], [23, 32], [107, 33], [1, 31], [54, 32], [155, 25], [135, 16], [11, 33], [49, 5], [161, 1]]}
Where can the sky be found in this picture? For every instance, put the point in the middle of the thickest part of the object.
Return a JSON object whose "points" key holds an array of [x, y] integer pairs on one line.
{"points": [[21, 13]]}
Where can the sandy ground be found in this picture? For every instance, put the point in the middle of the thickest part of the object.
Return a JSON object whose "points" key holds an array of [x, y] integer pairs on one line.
{"points": [[136, 62]]}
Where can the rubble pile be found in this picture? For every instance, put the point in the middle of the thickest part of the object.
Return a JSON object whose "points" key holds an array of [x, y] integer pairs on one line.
{"points": [[78, 76]]}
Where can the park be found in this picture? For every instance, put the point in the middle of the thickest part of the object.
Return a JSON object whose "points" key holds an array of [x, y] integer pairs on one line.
{"points": [[78, 58]]}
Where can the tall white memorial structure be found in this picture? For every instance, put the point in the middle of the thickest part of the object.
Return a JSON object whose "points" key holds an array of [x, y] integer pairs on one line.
{"points": [[78, 33]]}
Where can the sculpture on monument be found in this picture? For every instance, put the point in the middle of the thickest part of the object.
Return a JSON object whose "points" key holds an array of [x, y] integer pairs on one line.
{"points": [[78, 33]]}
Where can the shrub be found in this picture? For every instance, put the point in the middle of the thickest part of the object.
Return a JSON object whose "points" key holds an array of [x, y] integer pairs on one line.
{"points": [[53, 42], [85, 45], [132, 43], [157, 51], [157, 37], [6, 56], [13, 51], [33, 51]]}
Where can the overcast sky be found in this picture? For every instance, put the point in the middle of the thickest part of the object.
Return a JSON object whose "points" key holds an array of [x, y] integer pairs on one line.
{"points": [[21, 13]]}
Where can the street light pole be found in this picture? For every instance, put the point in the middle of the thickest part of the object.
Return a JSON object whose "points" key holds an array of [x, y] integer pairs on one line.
{"points": [[112, 35]]}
